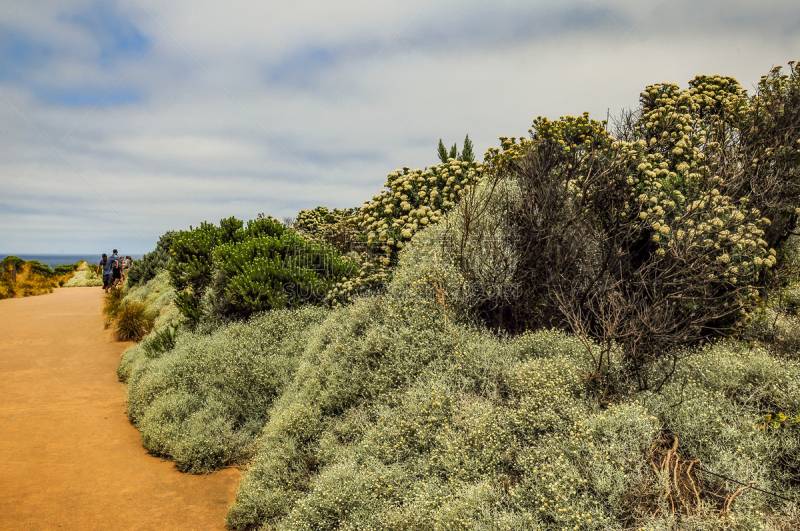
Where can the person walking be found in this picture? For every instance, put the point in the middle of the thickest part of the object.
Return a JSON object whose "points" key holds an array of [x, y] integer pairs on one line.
{"points": [[125, 264], [116, 269], [108, 274]]}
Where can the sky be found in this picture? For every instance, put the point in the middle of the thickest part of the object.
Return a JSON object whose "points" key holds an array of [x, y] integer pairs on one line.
{"points": [[121, 120]]}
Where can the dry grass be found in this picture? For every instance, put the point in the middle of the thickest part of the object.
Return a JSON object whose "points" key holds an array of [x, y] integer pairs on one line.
{"points": [[28, 283], [112, 304], [132, 321]]}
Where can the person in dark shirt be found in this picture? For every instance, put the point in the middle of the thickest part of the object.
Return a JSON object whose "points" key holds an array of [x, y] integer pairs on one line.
{"points": [[106, 278], [108, 273], [116, 269]]}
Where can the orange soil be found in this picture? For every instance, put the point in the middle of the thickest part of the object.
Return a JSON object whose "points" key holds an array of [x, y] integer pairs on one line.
{"points": [[69, 457]]}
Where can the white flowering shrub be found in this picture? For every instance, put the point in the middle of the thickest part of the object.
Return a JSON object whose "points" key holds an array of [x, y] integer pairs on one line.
{"points": [[335, 227], [202, 402], [84, 276], [410, 201], [414, 199]]}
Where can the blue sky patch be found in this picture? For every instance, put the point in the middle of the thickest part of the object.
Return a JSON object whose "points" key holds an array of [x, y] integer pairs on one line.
{"points": [[19, 53], [87, 97], [115, 33]]}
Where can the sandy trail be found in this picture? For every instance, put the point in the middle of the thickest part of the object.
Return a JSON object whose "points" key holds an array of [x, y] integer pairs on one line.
{"points": [[69, 457]]}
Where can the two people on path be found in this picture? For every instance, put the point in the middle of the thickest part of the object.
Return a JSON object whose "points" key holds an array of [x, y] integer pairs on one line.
{"points": [[113, 267]]}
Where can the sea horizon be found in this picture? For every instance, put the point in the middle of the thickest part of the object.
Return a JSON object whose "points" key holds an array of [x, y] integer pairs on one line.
{"points": [[54, 260]]}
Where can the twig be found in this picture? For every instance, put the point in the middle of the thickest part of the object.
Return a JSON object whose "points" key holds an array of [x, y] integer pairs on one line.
{"points": [[728, 505], [694, 487]]}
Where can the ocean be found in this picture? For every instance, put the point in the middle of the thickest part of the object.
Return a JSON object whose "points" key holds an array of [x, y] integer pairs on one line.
{"points": [[60, 259]]}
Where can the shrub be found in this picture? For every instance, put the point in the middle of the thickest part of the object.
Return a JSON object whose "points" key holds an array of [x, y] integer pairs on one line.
{"points": [[652, 241], [22, 279], [132, 322], [203, 401], [132, 312], [466, 155], [411, 201], [161, 341], [112, 304], [269, 272], [65, 269], [84, 276], [336, 227], [144, 270], [41, 269], [241, 269]]}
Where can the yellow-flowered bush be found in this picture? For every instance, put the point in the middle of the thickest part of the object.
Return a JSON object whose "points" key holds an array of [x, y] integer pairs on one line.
{"points": [[412, 200], [658, 234]]}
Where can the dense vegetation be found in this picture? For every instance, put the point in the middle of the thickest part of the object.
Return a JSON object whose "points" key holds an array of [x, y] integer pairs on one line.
{"points": [[144, 270], [571, 334], [85, 276], [20, 278]]}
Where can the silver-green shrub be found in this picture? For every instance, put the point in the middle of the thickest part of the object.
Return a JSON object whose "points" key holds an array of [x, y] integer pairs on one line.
{"points": [[203, 402], [402, 415]]}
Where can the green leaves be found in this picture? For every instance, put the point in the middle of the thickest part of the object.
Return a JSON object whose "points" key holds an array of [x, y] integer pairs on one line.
{"points": [[244, 269], [466, 155]]}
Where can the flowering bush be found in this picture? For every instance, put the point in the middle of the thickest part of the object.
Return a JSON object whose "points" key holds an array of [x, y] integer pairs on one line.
{"points": [[84, 276], [332, 226], [655, 239], [203, 400]]}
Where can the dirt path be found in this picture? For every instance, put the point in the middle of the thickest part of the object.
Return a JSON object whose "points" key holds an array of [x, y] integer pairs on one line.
{"points": [[69, 457]]}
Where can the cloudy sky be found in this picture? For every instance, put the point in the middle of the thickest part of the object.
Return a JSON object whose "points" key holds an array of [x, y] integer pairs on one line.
{"points": [[123, 119]]}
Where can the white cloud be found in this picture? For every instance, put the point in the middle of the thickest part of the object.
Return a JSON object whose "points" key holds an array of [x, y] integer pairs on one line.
{"points": [[271, 107]]}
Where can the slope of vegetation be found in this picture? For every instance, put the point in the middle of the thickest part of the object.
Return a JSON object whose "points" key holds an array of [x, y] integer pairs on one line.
{"points": [[85, 275], [19, 278], [574, 334]]}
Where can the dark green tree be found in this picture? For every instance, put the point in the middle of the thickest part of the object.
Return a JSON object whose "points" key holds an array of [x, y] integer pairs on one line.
{"points": [[466, 155]]}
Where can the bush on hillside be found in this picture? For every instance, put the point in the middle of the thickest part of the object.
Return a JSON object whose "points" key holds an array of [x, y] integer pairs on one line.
{"points": [[112, 303], [271, 272], [19, 278], [132, 312], [201, 400], [398, 419], [241, 269], [65, 269], [336, 227], [144, 270], [652, 241], [132, 322], [41, 269]]}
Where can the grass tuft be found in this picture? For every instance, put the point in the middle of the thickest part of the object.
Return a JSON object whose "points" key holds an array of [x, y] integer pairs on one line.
{"points": [[132, 321]]}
